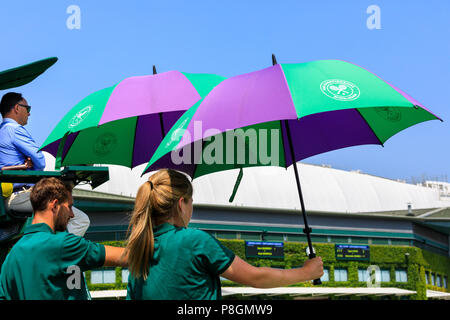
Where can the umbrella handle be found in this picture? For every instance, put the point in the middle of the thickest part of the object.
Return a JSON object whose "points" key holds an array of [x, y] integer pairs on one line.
{"points": [[315, 281], [307, 229]]}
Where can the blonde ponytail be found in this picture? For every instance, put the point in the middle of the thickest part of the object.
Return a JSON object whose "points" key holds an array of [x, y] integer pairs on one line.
{"points": [[154, 204]]}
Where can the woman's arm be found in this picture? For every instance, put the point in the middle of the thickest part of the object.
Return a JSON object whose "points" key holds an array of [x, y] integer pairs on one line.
{"points": [[263, 277], [114, 256]]}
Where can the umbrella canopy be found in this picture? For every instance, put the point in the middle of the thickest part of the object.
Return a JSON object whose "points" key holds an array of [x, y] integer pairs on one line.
{"points": [[328, 105], [311, 107], [22, 75], [125, 123]]}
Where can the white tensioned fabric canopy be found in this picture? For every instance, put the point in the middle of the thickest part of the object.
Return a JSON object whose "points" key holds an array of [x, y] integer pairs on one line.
{"points": [[293, 291], [316, 291], [299, 292], [324, 189]]}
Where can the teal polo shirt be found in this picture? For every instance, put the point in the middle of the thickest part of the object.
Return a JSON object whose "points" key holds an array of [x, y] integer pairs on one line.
{"points": [[186, 265], [40, 266]]}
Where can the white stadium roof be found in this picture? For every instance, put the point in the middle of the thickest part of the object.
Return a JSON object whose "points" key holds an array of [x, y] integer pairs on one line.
{"points": [[324, 189]]}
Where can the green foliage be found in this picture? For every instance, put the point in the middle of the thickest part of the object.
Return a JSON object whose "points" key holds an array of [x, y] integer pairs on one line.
{"points": [[121, 244], [418, 273], [118, 285], [436, 262], [414, 260], [235, 246]]}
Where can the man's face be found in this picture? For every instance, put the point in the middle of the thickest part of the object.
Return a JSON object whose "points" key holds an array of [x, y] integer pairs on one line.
{"points": [[64, 214], [22, 112]]}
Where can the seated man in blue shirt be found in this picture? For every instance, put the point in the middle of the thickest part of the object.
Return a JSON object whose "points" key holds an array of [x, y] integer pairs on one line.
{"points": [[17, 147]]}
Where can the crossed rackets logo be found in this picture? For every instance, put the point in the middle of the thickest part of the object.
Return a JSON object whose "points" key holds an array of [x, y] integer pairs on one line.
{"points": [[340, 90], [80, 116], [105, 144]]}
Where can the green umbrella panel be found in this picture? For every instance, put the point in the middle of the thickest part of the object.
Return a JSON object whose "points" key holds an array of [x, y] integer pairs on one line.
{"points": [[123, 124], [22, 75]]}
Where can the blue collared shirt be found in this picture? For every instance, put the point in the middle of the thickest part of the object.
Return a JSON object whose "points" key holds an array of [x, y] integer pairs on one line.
{"points": [[16, 144]]}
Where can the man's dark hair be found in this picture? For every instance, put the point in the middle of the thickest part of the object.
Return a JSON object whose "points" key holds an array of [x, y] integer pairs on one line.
{"points": [[9, 100], [47, 190]]}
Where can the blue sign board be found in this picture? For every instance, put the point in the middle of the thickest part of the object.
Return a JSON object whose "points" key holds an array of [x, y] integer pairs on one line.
{"points": [[262, 249], [352, 252]]}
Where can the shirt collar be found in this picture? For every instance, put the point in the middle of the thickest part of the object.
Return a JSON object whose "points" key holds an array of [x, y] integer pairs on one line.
{"points": [[10, 120], [163, 228], [38, 227]]}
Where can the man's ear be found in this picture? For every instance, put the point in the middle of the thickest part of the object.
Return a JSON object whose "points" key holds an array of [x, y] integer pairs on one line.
{"points": [[52, 204], [16, 108]]}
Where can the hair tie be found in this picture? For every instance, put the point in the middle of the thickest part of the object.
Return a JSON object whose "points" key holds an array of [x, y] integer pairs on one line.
{"points": [[151, 184]]}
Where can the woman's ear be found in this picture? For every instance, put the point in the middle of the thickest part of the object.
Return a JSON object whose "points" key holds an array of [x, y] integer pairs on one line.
{"points": [[180, 204]]}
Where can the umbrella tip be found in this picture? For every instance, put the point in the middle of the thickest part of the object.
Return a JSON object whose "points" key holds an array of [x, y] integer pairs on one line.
{"points": [[154, 69], [274, 60]]}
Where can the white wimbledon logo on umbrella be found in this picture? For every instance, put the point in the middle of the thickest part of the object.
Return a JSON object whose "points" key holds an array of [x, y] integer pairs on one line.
{"points": [[80, 116], [340, 90]]}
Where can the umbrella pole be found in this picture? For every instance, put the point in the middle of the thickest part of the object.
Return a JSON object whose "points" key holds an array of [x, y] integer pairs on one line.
{"points": [[161, 122], [307, 229]]}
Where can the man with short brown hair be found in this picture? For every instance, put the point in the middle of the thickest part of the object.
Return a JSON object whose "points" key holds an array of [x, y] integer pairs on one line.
{"points": [[51, 190], [41, 263]]}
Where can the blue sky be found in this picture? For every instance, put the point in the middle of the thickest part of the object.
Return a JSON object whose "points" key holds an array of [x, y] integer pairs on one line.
{"points": [[119, 39]]}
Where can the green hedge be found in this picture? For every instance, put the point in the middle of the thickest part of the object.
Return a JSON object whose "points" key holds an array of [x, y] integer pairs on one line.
{"points": [[384, 256], [118, 285]]}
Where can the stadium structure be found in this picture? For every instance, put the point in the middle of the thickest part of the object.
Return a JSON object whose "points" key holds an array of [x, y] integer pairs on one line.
{"points": [[404, 227]]}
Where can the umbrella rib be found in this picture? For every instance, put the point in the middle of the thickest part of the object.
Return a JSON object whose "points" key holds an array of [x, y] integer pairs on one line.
{"points": [[134, 141], [201, 157], [64, 146], [284, 147], [274, 62], [357, 110], [161, 122]]}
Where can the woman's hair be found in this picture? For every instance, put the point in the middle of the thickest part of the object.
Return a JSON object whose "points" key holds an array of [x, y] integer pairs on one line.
{"points": [[156, 202]]}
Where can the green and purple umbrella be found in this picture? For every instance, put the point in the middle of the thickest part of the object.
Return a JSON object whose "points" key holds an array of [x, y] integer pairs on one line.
{"points": [[123, 124], [329, 104], [315, 107]]}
